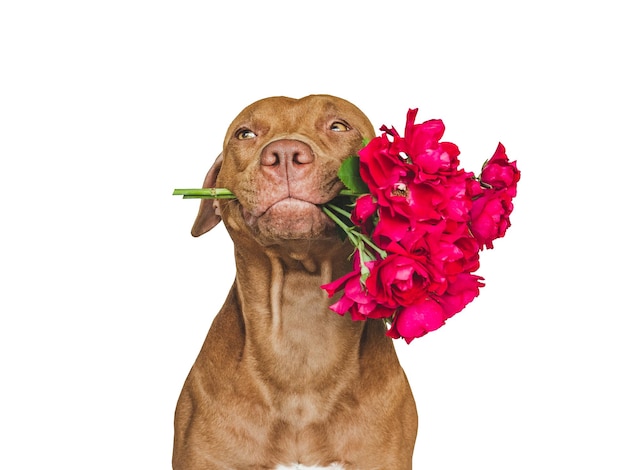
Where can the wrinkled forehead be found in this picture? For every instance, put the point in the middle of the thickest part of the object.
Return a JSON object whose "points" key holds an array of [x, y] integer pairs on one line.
{"points": [[295, 114]]}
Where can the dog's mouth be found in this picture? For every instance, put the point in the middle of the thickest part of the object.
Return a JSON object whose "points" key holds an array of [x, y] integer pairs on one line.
{"points": [[290, 219]]}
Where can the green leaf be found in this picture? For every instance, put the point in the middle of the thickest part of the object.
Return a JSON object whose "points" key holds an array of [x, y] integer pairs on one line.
{"points": [[351, 178]]}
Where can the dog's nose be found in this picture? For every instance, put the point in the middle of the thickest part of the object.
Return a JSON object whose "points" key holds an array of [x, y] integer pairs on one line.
{"points": [[286, 152], [287, 157]]}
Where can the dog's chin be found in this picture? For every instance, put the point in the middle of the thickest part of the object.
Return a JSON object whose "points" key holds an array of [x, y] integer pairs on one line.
{"points": [[292, 219]]}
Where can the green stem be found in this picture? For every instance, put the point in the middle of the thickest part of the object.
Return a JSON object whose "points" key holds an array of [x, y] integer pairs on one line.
{"points": [[354, 238], [205, 193], [331, 210], [223, 193], [349, 192], [339, 210], [381, 252], [364, 238]]}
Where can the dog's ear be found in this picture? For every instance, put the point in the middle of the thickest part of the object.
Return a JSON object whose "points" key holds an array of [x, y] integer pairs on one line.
{"points": [[209, 212]]}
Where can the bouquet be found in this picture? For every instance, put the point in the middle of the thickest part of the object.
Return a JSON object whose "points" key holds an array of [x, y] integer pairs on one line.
{"points": [[417, 222]]}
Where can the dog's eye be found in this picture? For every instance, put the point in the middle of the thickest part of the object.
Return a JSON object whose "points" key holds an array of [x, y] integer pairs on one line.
{"points": [[339, 127], [245, 134]]}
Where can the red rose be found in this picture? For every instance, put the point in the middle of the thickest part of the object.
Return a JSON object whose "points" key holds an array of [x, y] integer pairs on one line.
{"points": [[421, 147], [431, 218], [490, 216], [493, 196], [460, 292], [417, 320], [364, 209], [403, 280], [457, 249], [355, 298], [499, 173], [415, 177], [390, 228], [382, 170], [458, 200]]}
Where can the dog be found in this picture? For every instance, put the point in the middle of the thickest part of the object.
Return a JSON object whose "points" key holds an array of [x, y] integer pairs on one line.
{"points": [[281, 381]]}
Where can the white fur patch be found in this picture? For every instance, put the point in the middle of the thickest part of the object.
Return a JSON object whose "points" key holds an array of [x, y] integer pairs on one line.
{"points": [[297, 466]]}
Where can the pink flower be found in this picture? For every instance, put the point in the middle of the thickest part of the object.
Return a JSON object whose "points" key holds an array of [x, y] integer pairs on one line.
{"points": [[490, 216], [405, 175], [390, 227], [499, 173], [461, 291], [458, 199], [403, 280], [382, 170], [421, 146], [429, 219], [492, 204], [364, 209], [355, 298], [417, 320]]}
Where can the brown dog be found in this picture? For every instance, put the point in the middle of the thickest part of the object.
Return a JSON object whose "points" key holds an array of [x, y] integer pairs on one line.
{"points": [[281, 381]]}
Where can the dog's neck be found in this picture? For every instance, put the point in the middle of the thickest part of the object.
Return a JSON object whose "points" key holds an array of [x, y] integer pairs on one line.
{"points": [[292, 338]]}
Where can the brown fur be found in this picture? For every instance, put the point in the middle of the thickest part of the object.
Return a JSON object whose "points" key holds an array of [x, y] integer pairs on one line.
{"points": [[281, 379]]}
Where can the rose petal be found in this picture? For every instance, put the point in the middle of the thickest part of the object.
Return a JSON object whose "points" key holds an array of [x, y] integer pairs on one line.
{"points": [[417, 320]]}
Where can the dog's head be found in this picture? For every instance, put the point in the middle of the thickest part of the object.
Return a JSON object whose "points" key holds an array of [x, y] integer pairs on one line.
{"points": [[280, 159]]}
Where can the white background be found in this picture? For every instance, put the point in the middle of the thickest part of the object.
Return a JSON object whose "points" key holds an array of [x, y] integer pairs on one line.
{"points": [[106, 107]]}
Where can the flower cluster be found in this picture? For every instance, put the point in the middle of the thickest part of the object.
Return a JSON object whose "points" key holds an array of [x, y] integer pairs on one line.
{"points": [[419, 228]]}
